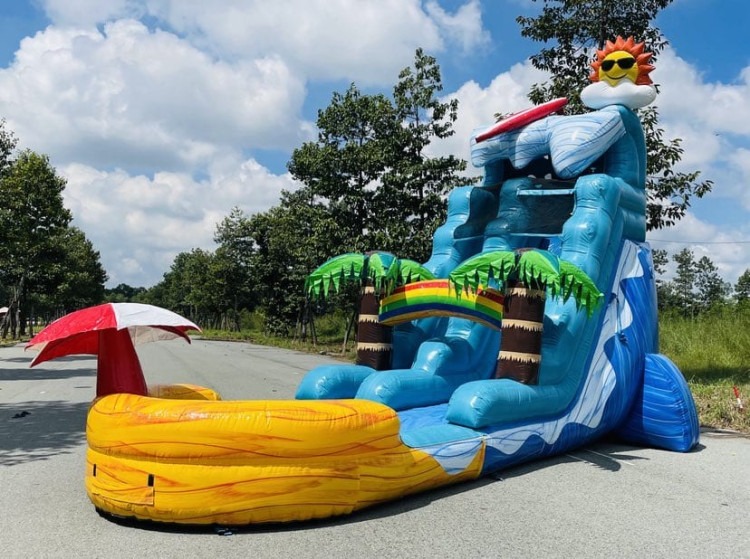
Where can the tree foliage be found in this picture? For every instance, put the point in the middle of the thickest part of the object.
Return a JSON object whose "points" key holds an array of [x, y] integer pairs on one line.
{"points": [[124, 293], [370, 167], [571, 31], [415, 187], [742, 288], [696, 287], [75, 277], [45, 264], [343, 166]]}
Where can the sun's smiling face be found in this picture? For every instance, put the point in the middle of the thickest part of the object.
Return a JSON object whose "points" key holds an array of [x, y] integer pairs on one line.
{"points": [[623, 60], [619, 65]]}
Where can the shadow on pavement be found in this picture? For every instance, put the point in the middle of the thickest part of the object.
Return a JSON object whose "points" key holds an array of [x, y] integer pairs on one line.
{"points": [[607, 456], [46, 374], [38, 430]]}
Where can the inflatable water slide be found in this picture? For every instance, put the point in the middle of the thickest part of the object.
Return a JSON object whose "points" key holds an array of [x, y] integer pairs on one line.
{"points": [[571, 186]]}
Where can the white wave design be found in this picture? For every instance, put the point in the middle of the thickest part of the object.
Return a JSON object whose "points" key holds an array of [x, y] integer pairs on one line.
{"points": [[573, 142], [456, 456], [588, 409], [600, 381]]}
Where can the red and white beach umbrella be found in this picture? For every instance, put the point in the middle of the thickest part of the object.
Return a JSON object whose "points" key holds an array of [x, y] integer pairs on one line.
{"points": [[110, 331]]}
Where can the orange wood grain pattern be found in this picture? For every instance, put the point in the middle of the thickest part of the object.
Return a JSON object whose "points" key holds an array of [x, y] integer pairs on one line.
{"points": [[274, 492], [182, 392], [192, 430], [250, 462]]}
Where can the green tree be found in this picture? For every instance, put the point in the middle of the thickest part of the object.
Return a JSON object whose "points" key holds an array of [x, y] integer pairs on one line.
{"points": [[124, 293], [78, 279], [573, 29], [8, 143], [32, 217], [742, 288], [234, 263], [413, 196], [370, 166], [684, 282], [289, 241], [711, 289], [191, 287], [343, 167], [664, 289]]}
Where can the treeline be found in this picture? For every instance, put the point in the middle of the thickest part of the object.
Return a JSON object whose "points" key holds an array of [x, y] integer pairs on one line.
{"points": [[47, 266], [368, 183], [697, 287]]}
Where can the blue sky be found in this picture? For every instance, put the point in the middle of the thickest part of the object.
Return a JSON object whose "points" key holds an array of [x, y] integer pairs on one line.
{"points": [[164, 114]]}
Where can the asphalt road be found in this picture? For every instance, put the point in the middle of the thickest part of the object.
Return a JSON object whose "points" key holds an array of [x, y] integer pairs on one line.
{"points": [[608, 500]]}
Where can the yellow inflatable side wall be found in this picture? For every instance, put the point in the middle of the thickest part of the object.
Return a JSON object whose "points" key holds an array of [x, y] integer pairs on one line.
{"points": [[182, 392], [211, 461]]}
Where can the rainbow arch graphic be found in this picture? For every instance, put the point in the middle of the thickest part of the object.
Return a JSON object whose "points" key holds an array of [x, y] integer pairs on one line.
{"points": [[427, 298]]}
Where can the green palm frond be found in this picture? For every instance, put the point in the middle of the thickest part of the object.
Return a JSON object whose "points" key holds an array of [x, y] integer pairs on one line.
{"points": [[480, 269], [339, 269], [411, 271], [540, 268], [382, 269], [574, 282], [535, 267]]}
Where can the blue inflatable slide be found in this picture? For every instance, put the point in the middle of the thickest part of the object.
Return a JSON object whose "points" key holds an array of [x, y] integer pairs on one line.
{"points": [[575, 186]]}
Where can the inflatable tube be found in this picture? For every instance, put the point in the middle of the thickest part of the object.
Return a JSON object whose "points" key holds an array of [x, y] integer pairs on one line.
{"points": [[240, 462], [182, 392], [522, 118], [438, 298]]}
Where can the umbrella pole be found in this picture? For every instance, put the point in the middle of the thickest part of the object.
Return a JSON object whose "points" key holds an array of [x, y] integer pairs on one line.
{"points": [[118, 369]]}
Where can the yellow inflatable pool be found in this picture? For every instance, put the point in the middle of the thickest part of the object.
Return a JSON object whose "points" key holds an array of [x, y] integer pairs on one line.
{"points": [[188, 457]]}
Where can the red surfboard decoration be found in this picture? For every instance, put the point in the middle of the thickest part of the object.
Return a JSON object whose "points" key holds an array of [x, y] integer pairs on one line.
{"points": [[522, 118]]}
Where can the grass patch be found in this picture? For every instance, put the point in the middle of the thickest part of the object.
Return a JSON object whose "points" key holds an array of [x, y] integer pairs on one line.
{"points": [[713, 352], [332, 347]]}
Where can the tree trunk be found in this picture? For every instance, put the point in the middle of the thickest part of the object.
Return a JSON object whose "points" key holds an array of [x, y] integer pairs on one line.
{"points": [[348, 332], [521, 342], [313, 333], [5, 324], [374, 347], [11, 318]]}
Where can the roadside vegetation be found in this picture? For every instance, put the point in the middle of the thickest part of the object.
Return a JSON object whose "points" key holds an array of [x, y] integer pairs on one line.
{"points": [[713, 353], [370, 181]]}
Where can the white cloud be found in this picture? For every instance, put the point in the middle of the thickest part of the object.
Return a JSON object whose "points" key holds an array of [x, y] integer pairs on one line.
{"points": [[367, 41], [464, 27], [152, 124], [140, 224], [507, 93], [711, 119], [131, 97]]}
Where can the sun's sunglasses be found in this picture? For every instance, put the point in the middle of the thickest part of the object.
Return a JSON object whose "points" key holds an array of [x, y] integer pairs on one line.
{"points": [[624, 63]]}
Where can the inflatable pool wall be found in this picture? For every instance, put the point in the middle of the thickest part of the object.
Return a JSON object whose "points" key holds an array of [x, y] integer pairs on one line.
{"points": [[354, 437]]}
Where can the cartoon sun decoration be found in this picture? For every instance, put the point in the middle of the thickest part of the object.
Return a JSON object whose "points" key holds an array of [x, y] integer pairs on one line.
{"points": [[626, 47]]}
